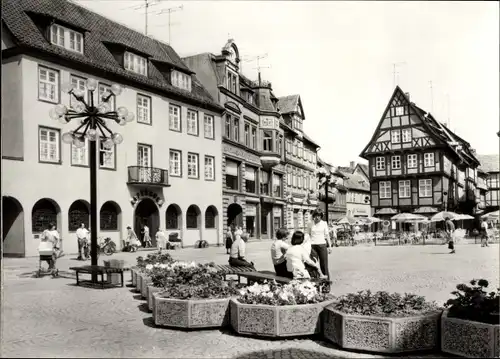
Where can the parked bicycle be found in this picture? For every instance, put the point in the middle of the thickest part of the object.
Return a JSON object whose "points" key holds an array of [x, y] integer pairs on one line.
{"points": [[105, 245]]}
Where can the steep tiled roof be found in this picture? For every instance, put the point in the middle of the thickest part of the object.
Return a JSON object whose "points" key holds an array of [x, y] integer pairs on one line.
{"points": [[20, 17], [356, 182], [364, 167], [288, 104], [309, 139], [489, 163], [346, 169]]}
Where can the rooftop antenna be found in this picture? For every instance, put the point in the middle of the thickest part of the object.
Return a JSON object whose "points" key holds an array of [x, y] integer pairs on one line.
{"points": [[395, 72], [251, 59], [432, 97], [169, 11]]}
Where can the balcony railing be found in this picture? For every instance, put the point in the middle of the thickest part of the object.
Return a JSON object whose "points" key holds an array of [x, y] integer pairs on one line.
{"points": [[148, 175]]}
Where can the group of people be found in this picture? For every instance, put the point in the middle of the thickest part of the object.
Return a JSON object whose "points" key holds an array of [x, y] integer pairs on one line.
{"points": [[450, 233], [305, 257]]}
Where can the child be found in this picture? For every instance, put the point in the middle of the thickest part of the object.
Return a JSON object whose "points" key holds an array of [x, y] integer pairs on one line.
{"points": [[278, 251]]}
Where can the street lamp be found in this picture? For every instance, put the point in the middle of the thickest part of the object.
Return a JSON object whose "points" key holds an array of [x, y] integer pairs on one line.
{"points": [[445, 194], [94, 127], [328, 179]]}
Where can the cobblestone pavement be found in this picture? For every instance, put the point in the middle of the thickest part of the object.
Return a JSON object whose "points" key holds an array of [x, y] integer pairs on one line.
{"points": [[53, 318]]}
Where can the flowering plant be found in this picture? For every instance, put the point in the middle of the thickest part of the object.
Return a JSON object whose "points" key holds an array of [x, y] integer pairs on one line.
{"points": [[153, 258], [384, 304], [475, 303], [295, 292]]}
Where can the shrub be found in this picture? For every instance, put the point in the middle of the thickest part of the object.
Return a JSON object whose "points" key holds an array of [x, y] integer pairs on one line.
{"points": [[153, 258], [384, 304], [296, 292], [475, 303]]}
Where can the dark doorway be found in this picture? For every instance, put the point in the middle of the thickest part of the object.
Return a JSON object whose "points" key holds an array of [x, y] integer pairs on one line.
{"points": [[265, 220], [235, 214], [13, 228], [146, 213]]}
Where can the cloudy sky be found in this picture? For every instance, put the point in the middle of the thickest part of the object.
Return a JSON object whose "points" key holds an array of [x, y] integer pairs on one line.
{"points": [[339, 57]]}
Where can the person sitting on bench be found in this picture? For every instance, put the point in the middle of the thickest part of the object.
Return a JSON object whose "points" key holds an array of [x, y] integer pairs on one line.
{"points": [[278, 252], [297, 258], [237, 253]]}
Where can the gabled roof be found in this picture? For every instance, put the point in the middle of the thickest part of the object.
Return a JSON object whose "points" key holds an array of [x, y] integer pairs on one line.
{"points": [[489, 163], [345, 169], [309, 139], [356, 182], [290, 104], [21, 18], [438, 130], [364, 168]]}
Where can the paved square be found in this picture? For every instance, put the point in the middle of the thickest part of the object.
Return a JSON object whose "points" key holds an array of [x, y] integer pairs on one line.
{"points": [[53, 318]]}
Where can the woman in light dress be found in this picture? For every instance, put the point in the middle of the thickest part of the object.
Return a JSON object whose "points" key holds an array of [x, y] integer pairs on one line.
{"points": [[297, 257], [132, 242], [51, 237]]}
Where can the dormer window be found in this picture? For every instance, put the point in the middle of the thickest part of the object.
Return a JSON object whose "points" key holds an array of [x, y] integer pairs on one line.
{"points": [[232, 82], [64, 37], [135, 63], [181, 80]]}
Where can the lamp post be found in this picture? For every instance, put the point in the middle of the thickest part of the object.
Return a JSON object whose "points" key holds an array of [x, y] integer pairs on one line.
{"points": [[445, 194], [329, 179], [93, 126]]}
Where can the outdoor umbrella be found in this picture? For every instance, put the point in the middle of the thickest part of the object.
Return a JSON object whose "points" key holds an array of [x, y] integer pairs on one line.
{"points": [[344, 220], [441, 216], [407, 217], [491, 216]]}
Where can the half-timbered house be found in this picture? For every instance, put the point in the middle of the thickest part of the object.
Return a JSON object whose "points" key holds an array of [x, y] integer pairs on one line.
{"points": [[417, 165]]}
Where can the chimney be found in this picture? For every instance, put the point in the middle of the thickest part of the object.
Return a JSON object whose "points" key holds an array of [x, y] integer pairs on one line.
{"points": [[473, 151], [352, 164], [407, 95]]}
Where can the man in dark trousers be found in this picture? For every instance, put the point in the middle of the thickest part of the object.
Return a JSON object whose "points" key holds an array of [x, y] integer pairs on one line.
{"points": [[450, 228]]}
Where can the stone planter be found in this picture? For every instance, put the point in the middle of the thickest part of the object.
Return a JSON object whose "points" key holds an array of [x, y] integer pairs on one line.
{"points": [[150, 290], [276, 321], [134, 276], [382, 334], [138, 284], [469, 339], [191, 313], [146, 280]]}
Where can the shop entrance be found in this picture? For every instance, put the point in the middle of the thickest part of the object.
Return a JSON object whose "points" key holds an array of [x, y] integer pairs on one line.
{"points": [[146, 213], [235, 215]]}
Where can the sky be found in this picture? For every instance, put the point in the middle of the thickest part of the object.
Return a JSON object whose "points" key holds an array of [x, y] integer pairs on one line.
{"points": [[339, 57]]}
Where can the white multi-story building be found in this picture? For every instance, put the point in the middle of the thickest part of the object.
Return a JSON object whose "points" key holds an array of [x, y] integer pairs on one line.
{"points": [[166, 173]]}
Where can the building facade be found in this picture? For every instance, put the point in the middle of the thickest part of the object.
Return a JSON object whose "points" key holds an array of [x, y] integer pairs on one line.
{"points": [[416, 164], [165, 174], [253, 166], [490, 169], [358, 190], [300, 164], [337, 193]]}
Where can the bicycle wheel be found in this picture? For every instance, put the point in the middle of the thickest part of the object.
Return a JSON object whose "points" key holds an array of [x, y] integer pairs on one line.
{"points": [[108, 250]]}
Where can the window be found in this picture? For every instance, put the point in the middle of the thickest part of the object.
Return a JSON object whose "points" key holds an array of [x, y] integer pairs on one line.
{"points": [[279, 143], [429, 159], [192, 122], [209, 168], [192, 165], [380, 163], [172, 217], [277, 185], [396, 162], [232, 82], [48, 84], [109, 217], [43, 213], [192, 217], [250, 179], [106, 156], [264, 183], [208, 121], [79, 84], [395, 136], [232, 175], [385, 189], [412, 161], [144, 155], [64, 37], [105, 90], [404, 189], [181, 80], [236, 129], [425, 188], [247, 135], [406, 134], [144, 109], [174, 118], [79, 156], [78, 213], [210, 216], [136, 63], [267, 141], [49, 145], [254, 137], [400, 111], [175, 163], [227, 126]]}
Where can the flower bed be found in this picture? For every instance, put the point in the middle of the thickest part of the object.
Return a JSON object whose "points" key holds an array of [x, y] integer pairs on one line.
{"points": [[191, 295], [382, 322], [279, 310], [143, 268], [470, 327]]}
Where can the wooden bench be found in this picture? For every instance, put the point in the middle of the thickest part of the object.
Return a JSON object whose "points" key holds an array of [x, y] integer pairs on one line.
{"points": [[259, 277], [98, 270], [226, 270]]}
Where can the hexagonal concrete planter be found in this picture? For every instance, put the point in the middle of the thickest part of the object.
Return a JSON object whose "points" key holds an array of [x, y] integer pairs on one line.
{"points": [[146, 280], [276, 321], [138, 284], [468, 338], [133, 272], [150, 291], [382, 334], [191, 313]]}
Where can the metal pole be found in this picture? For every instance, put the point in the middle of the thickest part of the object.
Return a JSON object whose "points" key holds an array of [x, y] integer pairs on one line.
{"points": [[326, 200]]}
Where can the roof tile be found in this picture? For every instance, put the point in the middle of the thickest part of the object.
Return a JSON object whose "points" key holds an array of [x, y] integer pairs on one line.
{"points": [[489, 163], [288, 104]]}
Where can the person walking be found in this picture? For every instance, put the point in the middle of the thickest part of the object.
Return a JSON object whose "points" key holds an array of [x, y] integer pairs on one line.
{"points": [[52, 236], [147, 237], [320, 240], [161, 240], [82, 235], [278, 252], [131, 242], [484, 233], [450, 229], [230, 237]]}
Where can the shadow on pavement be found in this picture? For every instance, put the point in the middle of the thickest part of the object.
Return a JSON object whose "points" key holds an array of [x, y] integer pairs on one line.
{"points": [[137, 297], [144, 308], [291, 353]]}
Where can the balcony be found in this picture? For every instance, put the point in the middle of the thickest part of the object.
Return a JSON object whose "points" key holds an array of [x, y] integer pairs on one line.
{"points": [[151, 176], [269, 159]]}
